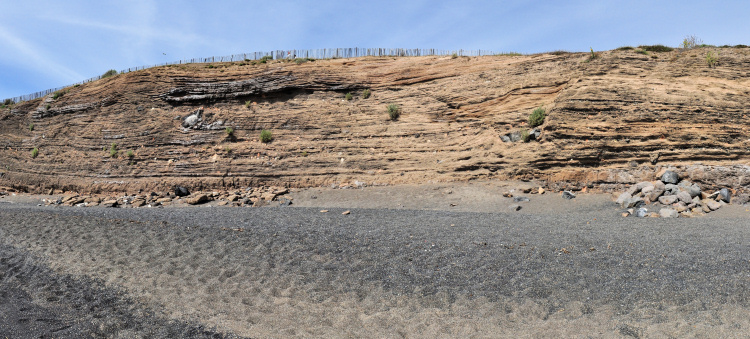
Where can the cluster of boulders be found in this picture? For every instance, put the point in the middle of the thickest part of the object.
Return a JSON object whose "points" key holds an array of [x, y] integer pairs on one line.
{"points": [[671, 197], [195, 120], [517, 136], [253, 196]]}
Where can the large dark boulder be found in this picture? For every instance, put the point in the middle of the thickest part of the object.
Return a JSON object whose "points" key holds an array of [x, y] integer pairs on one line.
{"points": [[181, 191]]}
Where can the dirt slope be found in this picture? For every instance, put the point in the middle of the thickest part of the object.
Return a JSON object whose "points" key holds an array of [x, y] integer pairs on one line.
{"points": [[610, 121]]}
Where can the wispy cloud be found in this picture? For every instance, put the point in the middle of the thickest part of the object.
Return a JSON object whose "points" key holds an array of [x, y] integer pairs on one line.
{"points": [[140, 31], [19, 51]]}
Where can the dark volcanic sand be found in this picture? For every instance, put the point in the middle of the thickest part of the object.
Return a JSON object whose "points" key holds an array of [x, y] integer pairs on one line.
{"points": [[296, 272]]}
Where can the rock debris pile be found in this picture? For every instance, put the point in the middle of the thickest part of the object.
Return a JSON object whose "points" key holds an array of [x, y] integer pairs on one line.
{"points": [[249, 197], [670, 197]]}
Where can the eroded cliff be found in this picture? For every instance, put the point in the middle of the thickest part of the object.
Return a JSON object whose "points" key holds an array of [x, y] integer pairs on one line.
{"points": [[610, 121]]}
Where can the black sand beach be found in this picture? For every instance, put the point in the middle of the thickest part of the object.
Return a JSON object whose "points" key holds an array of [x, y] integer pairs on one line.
{"points": [[277, 272]]}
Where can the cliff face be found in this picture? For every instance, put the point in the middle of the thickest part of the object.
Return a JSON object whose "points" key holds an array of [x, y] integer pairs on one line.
{"points": [[613, 120]]}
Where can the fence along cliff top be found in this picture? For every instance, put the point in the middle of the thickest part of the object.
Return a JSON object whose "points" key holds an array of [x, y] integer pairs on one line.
{"points": [[326, 53]]}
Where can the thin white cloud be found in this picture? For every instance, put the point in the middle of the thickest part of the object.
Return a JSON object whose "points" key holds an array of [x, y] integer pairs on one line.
{"points": [[34, 58], [144, 31]]}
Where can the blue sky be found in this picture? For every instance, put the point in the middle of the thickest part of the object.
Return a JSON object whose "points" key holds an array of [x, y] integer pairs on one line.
{"points": [[47, 44]]}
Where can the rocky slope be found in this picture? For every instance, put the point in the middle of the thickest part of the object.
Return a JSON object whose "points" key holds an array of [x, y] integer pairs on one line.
{"points": [[611, 121]]}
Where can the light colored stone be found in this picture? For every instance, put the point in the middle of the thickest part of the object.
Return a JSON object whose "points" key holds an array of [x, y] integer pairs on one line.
{"points": [[93, 200], [109, 203], [680, 207], [671, 189], [163, 200], [711, 204], [668, 213], [281, 191], [197, 199], [75, 201], [667, 199], [638, 187], [684, 197], [268, 196], [623, 199], [657, 191]]}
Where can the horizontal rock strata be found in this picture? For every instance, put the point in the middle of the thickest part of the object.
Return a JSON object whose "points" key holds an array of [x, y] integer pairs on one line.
{"points": [[610, 123]]}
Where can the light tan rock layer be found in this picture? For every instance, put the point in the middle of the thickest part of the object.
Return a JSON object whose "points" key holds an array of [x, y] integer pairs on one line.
{"points": [[612, 121]]}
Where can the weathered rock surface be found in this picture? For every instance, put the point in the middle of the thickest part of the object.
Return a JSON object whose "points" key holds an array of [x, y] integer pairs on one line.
{"points": [[668, 213], [670, 177], [684, 197], [623, 199], [600, 121], [711, 204], [668, 199], [197, 199], [658, 190]]}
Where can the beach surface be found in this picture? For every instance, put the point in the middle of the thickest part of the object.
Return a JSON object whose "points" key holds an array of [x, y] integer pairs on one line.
{"points": [[423, 261]]}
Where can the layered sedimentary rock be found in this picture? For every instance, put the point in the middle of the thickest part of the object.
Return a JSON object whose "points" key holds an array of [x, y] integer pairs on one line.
{"points": [[611, 121]]}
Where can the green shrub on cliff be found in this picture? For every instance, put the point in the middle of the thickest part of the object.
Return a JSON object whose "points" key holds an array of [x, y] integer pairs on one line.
{"points": [[537, 117], [265, 136], [113, 150], [711, 58], [109, 73], [394, 112], [656, 48]]}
